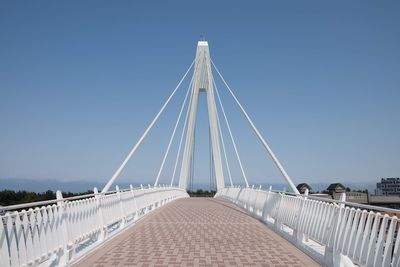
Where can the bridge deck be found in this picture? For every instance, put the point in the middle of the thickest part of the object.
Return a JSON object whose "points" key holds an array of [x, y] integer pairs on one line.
{"points": [[198, 232]]}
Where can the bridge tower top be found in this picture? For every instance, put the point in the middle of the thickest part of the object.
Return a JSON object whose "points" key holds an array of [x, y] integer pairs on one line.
{"points": [[202, 43], [202, 81]]}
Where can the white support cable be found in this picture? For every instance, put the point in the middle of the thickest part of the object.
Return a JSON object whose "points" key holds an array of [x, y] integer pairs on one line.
{"points": [[231, 135], [224, 150], [181, 140], [223, 142], [173, 134], [137, 145], [265, 144]]}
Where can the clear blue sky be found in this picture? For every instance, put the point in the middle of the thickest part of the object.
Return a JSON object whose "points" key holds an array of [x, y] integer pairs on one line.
{"points": [[80, 81]]}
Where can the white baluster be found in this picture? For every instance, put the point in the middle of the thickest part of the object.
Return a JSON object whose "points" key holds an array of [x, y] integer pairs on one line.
{"points": [[380, 242], [63, 225], [52, 234], [352, 239], [4, 255], [12, 241], [396, 250], [297, 234], [366, 238], [331, 254], [19, 229], [46, 230], [357, 244], [372, 241]]}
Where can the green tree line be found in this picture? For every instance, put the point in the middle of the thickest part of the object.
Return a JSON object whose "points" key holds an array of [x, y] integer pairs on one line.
{"points": [[10, 197], [201, 193]]}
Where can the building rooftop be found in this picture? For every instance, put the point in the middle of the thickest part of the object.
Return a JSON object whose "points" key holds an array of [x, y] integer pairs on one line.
{"points": [[303, 185], [334, 186]]}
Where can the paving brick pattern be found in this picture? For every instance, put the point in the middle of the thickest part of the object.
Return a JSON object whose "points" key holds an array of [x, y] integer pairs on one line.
{"points": [[198, 232]]}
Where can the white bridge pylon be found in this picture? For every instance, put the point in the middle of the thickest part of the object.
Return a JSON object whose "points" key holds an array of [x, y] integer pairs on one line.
{"points": [[202, 81]]}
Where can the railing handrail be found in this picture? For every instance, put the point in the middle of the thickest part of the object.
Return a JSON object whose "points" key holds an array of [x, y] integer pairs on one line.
{"points": [[54, 201], [50, 235], [346, 203], [342, 234]]}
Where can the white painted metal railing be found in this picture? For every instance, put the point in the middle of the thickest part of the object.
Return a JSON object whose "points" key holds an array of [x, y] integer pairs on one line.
{"points": [[60, 231], [333, 232]]}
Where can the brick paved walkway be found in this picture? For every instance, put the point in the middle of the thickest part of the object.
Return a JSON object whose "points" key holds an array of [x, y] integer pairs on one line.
{"points": [[198, 232]]}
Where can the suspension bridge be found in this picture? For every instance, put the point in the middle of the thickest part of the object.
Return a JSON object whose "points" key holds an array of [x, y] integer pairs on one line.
{"points": [[160, 225]]}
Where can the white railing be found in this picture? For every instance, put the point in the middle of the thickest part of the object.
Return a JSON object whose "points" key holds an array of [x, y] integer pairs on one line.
{"points": [[334, 233], [58, 232]]}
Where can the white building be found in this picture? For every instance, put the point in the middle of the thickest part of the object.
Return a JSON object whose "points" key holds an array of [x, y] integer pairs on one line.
{"points": [[388, 187]]}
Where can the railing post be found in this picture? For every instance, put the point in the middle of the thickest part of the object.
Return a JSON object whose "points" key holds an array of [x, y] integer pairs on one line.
{"points": [[64, 256], [333, 257], [148, 198], [162, 201], [152, 201], [277, 221], [264, 215], [267, 202], [134, 202], [159, 196], [143, 210], [121, 207], [343, 199], [100, 218], [306, 193], [248, 206], [257, 212], [297, 235]]}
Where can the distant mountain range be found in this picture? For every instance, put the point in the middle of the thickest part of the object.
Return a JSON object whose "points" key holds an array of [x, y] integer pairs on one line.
{"points": [[18, 184]]}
